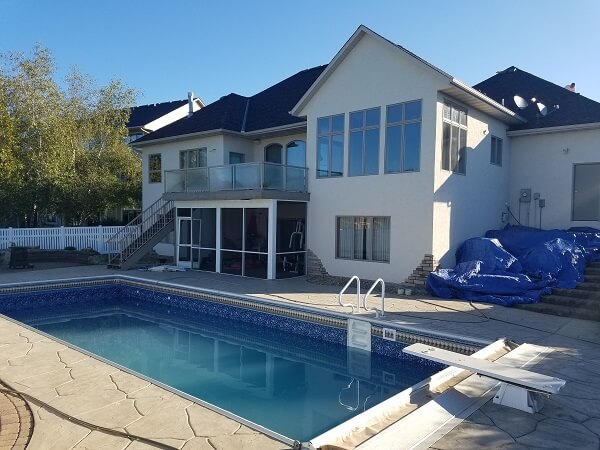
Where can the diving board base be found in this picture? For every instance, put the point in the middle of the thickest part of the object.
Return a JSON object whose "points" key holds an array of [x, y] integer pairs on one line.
{"points": [[519, 398]]}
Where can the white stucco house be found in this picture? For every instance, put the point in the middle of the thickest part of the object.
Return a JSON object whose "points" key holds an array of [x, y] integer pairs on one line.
{"points": [[378, 164]]}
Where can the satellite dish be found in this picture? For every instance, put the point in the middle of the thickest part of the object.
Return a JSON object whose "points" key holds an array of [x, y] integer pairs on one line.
{"points": [[520, 102], [543, 109]]}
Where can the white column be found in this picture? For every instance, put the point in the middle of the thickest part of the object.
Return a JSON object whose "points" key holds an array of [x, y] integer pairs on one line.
{"points": [[218, 243], [272, 261]]}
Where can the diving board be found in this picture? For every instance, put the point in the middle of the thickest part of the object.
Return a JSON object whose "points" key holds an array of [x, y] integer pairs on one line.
{"points": [[519, 388]]}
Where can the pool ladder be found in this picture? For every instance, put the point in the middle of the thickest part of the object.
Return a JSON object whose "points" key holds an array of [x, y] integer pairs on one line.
{"points": [[361, 302]]}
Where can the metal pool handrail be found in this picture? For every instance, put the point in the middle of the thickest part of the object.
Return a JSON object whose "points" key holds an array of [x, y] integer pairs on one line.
{"points": [[355, 277], [377, 312]]}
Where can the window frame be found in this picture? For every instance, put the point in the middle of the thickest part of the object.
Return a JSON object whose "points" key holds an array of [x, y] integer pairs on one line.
{"points": [[329, 135], [459, 126], [494, 159], [402, 123], [152, 172], [370, 238], [200, 151], [363, 129]]}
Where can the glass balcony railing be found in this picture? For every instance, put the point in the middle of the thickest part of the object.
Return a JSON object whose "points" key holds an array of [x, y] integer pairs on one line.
{"points": [[238, 177]]}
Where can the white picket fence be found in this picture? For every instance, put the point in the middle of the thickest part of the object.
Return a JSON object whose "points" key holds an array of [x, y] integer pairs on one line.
{"points": [[58, 238]]}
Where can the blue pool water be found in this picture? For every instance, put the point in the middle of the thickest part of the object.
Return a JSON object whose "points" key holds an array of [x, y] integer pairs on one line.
{"points": [[293, 377]]}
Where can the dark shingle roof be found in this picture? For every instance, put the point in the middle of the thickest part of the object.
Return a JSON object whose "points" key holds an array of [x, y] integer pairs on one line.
{"points": [[270, 108], [573, 108], [143, 115], [267, 109]]}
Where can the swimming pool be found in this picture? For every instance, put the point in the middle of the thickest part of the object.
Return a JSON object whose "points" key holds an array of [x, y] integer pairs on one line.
{"points": [[290, 372]]}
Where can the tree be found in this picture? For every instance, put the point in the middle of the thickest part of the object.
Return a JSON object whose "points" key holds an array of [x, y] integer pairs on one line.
{"points": [[62, 151]]}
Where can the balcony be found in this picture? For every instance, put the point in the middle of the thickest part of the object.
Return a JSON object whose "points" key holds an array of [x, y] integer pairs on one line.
{"points": [[238, 181]]}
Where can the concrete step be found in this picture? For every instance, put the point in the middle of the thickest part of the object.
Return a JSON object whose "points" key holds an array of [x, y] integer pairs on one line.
{"points": [[588, 286], [560, 310], [591, 278], [594, 264], [577, 293], [590, 270], [571, 302]]}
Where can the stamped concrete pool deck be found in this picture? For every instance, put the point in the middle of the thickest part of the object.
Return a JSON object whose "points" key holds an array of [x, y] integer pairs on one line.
{"points": [[104, 396]]}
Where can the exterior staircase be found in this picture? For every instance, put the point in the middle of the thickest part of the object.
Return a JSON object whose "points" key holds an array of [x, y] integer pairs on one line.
{"points": [[140, 235], [583, 302]]}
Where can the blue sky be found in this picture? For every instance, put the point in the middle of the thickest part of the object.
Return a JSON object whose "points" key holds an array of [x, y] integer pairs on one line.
{"points": [[165, 48]]}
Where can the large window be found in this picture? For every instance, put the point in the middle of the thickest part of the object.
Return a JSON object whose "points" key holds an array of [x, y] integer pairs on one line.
{"points": [[244, 241], [364, 142], [330, 146], [191, 159], [586, 191], [155, 168], [295, 154], [363, 238], [496, 152], [454, 139], [197, 237], [291, 239], [403, 137]]}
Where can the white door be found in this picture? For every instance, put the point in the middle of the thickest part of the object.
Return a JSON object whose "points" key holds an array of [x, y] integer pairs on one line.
{"points": [[184, 242]]}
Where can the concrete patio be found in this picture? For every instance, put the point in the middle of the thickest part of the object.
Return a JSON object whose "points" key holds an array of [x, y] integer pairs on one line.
{"points": [[67, 380]]}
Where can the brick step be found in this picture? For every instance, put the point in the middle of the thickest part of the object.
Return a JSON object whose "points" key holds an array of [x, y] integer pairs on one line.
{"points": [[559, 310], [571, 301], [577, 293]]}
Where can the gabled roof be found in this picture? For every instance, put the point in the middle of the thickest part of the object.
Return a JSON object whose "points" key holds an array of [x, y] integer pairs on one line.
{"points": [[267, 109], [144, 114], [360, 32], [574, 109], [455, 87]]}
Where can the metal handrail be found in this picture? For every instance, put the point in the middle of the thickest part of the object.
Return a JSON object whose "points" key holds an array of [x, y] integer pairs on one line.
{"points": [[357, 293], [123, 243], [377, 312]]}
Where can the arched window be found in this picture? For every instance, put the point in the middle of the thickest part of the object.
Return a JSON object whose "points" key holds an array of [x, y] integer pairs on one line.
{"points": [[296, 154], [273, 153]]}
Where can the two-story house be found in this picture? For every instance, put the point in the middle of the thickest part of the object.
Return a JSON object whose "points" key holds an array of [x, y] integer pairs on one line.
{"points": [[376, 164]]}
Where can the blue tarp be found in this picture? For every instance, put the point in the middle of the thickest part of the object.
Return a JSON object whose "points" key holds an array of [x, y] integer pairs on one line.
{"points": [[517, 265]]}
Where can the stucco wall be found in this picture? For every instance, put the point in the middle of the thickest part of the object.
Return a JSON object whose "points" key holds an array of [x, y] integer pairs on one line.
{"points": [[170, 161], [468, 205], [544, 163], [374, 74]]}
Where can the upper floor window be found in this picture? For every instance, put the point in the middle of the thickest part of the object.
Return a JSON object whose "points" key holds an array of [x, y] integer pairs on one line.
{"points": [[496, 152], [295, 154], [364, 142], [155, 168], [454, 139], [330, 146], [236, 158], [403, 137], [191, 159], [274, 153]]}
